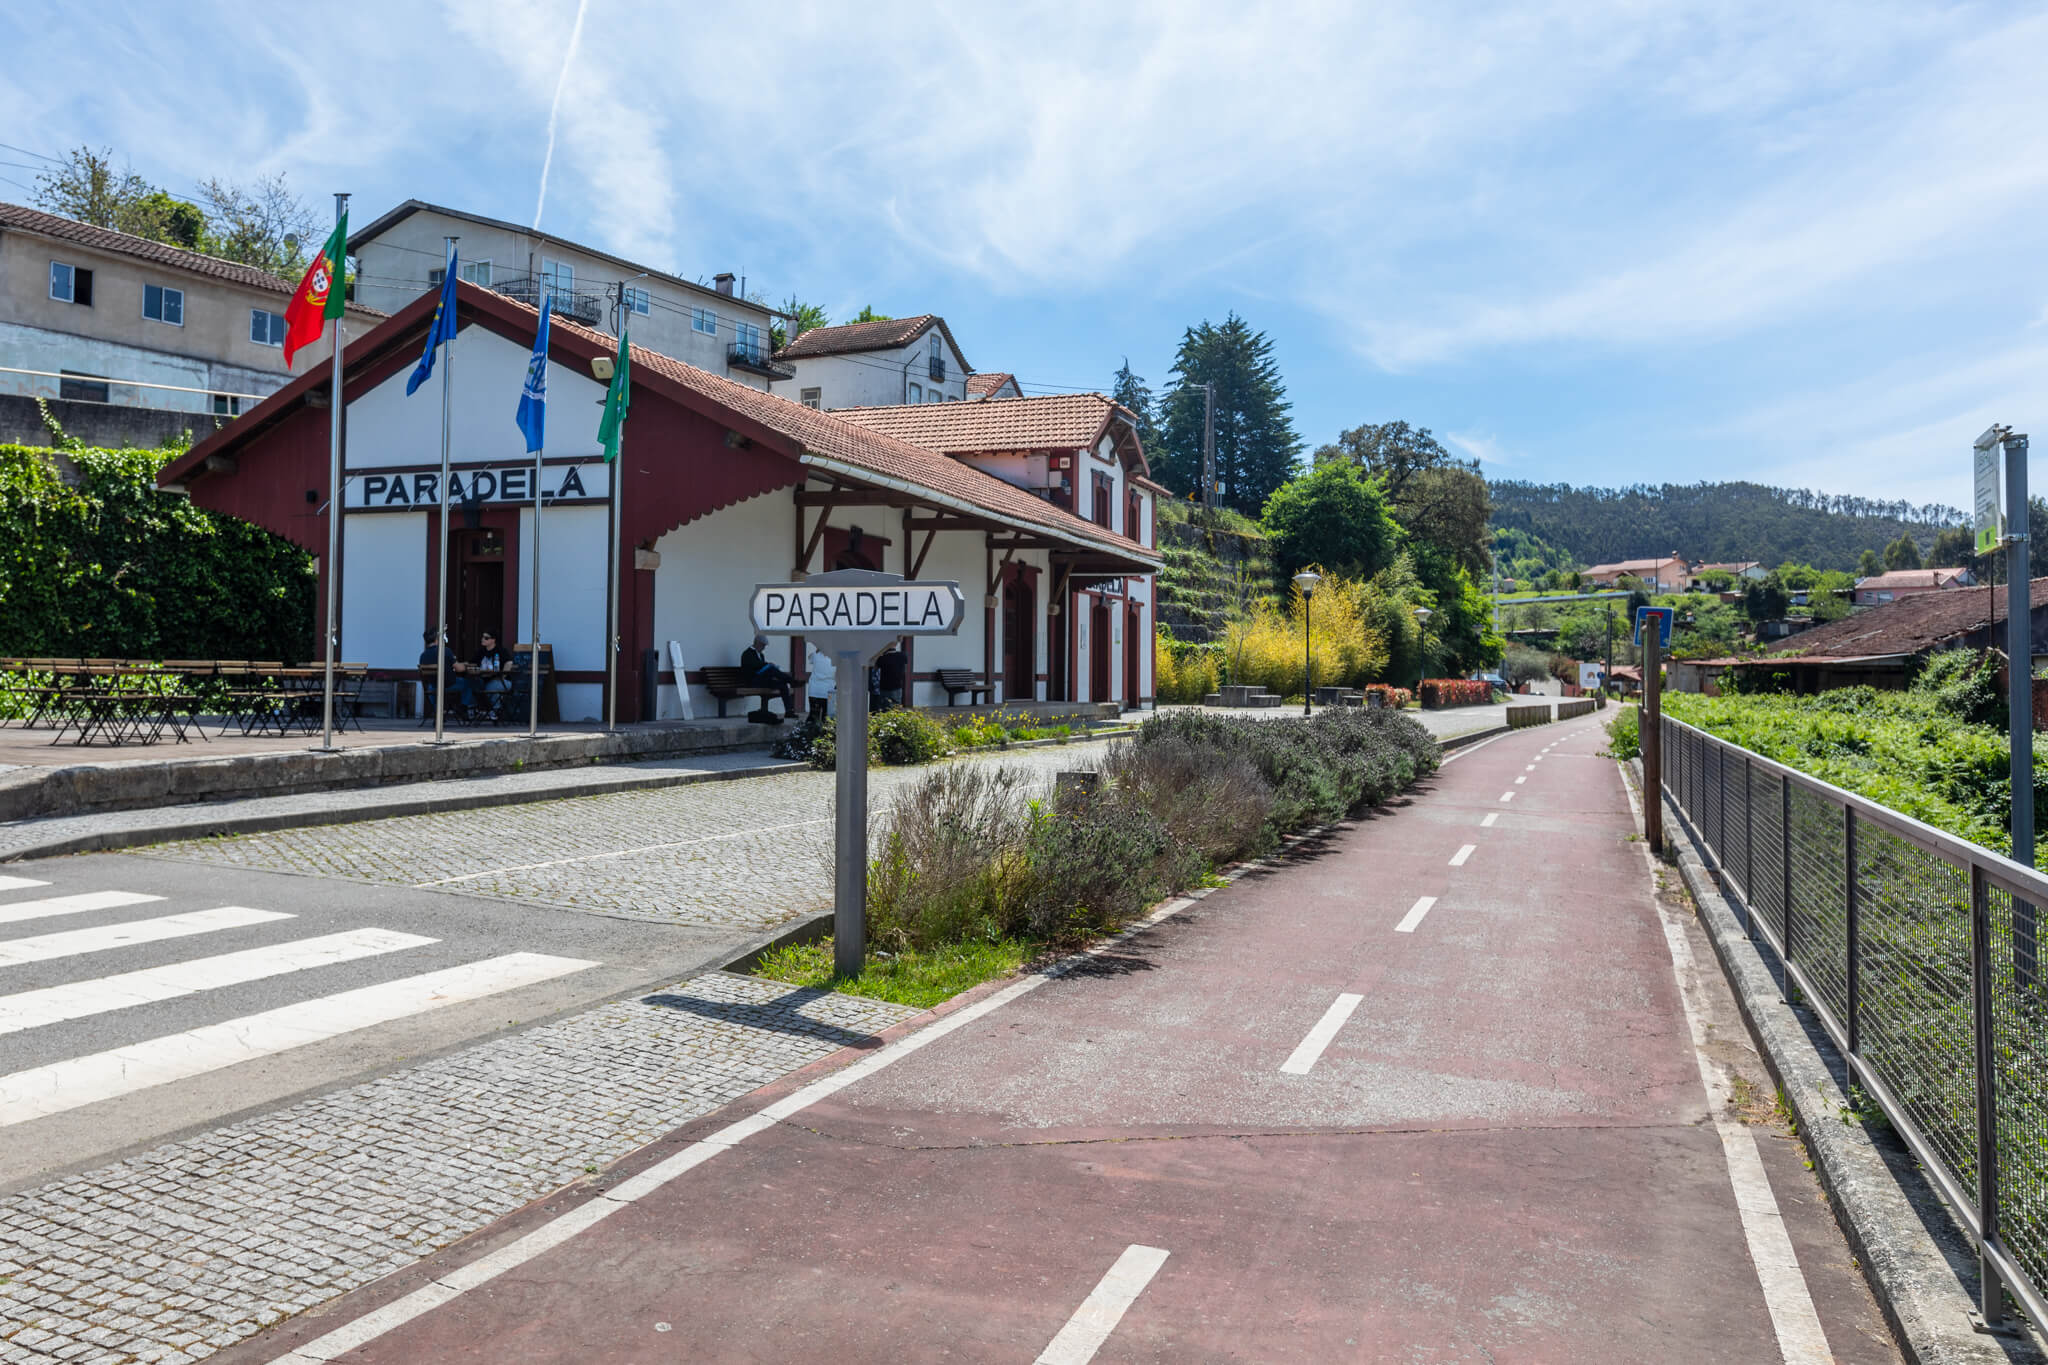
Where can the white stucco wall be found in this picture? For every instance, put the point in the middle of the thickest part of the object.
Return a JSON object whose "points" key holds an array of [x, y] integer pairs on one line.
{"points": [[386, 428], [572, 600], [705, 582], [875, 378], [35, 348], [956, 555], [383, 584]]}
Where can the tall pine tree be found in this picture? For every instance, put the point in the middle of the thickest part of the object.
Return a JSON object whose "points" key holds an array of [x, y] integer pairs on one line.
{"points": [[1132, 391], [1256, 446]]}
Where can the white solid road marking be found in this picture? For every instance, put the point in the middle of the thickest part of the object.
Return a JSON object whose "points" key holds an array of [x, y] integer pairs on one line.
{"points": [[19, 883], [1487, 823], [1319, 1037], [52, 1089], [71, 905], [1458, 858], [625, 852], [1103, 1309], [1414, 915], [54, 1004], [44, 947], [1800, 1336]]}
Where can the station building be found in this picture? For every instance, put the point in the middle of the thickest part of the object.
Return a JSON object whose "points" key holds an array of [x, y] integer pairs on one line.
{"points": [[1041, 508]]}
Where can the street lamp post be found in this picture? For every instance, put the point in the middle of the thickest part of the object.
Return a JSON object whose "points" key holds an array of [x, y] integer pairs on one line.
{"points": [[1306, 580], [1422, 615]]}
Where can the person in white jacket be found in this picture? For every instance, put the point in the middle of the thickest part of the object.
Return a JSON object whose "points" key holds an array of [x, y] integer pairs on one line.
{"points": [[822, 679]]}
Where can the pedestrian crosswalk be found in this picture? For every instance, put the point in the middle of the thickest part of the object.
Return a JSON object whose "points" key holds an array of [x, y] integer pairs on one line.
{"points": [[290, 958]]}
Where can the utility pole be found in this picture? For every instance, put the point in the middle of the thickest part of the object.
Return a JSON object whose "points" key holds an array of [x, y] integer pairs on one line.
{"points": [[2019, 672], [1208, 452], [1607, 674], [1650, 738]]}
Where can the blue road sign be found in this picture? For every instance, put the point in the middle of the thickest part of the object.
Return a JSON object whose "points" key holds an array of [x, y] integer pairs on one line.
{"points": [[1662, 616]]}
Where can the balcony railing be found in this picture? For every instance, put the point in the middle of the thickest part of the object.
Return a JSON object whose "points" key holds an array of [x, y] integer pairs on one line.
{"points": [[570, 302], [758, 359]]}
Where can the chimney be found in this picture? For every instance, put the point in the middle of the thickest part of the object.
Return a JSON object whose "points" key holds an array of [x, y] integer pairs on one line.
{"points": [[723, 283]]}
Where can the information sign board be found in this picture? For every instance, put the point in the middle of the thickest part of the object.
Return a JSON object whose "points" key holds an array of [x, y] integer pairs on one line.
{"points": [[1662, 616]]}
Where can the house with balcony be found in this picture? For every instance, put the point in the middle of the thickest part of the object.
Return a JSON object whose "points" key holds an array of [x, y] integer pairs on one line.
{"points": [[400, 256], [1669, 574], [875, 364], [131, 340]]}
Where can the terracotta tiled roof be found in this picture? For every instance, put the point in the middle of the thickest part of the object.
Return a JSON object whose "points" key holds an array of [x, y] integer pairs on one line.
{"points": [[886, 335], [1910, 578], [1910, 625], [1071, 421], [16, 218], [986, 384], [1729, 568], [1634, 566]]}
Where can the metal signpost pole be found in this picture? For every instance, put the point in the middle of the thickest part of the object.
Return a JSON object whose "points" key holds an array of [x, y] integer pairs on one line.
{"points": [[850, 827], [533, 661], [1651, 739], [334, 497], [2019, 669], [855, 614]]}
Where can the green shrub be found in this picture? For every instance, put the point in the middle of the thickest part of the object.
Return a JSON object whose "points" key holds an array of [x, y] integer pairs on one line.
{"points": [[948, 858], [113, 568], [904, 736], [1087, 869], [1624, 741], [1964, 683]]}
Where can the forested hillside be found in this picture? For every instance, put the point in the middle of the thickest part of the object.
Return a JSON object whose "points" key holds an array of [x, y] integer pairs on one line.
{"points": [[1713, 521]]}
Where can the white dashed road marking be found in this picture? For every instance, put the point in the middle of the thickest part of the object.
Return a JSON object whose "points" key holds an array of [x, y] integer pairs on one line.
{"points": [[1414, 915], [1311, 1047], [1458, 858], [1099, 1314]]}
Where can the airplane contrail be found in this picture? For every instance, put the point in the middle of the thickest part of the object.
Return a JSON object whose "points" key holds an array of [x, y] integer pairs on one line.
{"points": [[555, 109]]}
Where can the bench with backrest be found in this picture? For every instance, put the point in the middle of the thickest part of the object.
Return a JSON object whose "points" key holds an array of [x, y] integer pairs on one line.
{"points": [[959, 680], [726, 683]]}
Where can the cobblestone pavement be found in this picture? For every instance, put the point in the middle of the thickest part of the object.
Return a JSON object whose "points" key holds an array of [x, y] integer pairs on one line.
{"points": [[176, 1253], [741, 855]]}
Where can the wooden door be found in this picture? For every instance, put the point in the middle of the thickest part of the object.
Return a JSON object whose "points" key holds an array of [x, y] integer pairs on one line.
{"points": [[1132, 617], [476, 597], [1099, 650], [1020, 618]]}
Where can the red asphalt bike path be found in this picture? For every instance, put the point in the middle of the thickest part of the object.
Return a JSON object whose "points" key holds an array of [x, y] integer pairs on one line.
{"points": [[1503, 1153]]}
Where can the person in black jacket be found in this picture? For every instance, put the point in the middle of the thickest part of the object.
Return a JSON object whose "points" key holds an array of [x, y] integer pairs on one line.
{"points": [[756, 671], [892, 676]]}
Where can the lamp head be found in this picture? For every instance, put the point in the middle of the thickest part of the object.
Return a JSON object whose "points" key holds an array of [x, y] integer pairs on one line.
{"points": [[1423, 614], [1306, 580]]}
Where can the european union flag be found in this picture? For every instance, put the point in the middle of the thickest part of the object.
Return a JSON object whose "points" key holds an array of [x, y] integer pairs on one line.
{"points": [[443, 328], [533, 398]]}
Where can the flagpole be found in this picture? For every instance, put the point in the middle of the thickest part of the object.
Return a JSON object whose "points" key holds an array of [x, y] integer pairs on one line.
{"points": [[338, 280], [611, 688], [441, 582], [533, 687]]}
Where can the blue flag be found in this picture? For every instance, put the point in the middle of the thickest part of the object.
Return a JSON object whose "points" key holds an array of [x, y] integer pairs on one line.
{"points": [[443, 328], [533, 399]]}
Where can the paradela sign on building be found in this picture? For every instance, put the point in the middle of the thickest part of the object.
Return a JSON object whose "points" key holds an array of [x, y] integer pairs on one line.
{"points": [[406, 490]]}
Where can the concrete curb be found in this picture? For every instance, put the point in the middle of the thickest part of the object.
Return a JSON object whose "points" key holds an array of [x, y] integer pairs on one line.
{"points": [[1470, 737], [1916, 1258], [812, 928]]}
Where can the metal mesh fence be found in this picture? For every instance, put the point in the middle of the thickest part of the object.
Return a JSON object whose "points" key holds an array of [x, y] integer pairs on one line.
{"points": [[1873, 912]]}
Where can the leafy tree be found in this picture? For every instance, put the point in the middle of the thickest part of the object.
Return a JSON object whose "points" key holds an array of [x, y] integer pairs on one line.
{"points": [[1902, 554], [1256, 445], [1867, 566], [797, 318], [868, 314], [1131, 390], [2037, 538], [1955, 547], [263, 224], [1765, 601], [1432, 492], [1330, 517]]}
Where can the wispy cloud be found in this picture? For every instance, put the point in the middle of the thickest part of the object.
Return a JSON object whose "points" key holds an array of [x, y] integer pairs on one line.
{"points": [[1474, 446]]}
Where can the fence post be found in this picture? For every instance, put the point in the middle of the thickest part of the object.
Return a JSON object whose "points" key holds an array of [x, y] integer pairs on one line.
{"points": [[1748, 846], [1785, 824], [1990, 1288], [1851, 928]]}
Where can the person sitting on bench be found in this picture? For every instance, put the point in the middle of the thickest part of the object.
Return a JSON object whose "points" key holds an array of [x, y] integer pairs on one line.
{"points": [[490, 661], [891, 676], [756, 671], [462, 694]]}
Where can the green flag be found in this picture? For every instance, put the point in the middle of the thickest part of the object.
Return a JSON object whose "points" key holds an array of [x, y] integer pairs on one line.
{"points": [[613, 429]]}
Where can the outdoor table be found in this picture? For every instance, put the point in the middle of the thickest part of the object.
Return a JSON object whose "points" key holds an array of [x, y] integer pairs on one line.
{"points": [[90, 699]]}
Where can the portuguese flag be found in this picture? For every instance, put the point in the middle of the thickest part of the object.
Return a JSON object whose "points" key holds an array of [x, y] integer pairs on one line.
{"points": [[321, 294]]}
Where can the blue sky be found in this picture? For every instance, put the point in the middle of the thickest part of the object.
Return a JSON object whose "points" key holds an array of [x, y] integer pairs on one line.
{"points": [[1591, 241]]}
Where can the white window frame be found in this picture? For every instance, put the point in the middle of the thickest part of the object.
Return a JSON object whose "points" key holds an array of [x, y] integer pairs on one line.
{"points": [[70, 281], [273, 327], [164, 293], [477, 272], [812, 398], [748, 337], [638, 299], [916, 392], [557, 278], [705, 321]]}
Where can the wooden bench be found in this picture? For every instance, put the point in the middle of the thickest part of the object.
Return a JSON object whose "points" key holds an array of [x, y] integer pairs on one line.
{"points": [[958, 680], [724, 684]]}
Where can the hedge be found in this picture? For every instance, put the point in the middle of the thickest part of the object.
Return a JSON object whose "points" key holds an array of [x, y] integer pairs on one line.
{"points": [[1438, 692], [112, 568]]}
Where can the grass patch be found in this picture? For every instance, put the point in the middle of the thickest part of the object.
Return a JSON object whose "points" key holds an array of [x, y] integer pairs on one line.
{"points": [[917, 977]]}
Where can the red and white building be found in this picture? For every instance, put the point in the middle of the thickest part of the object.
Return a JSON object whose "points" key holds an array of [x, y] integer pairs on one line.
{"points": [[1041, 508]]}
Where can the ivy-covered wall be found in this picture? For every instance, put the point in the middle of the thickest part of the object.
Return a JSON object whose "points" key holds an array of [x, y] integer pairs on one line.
{"points": [[113, 568]]}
